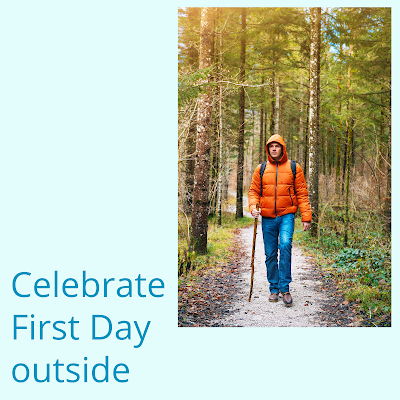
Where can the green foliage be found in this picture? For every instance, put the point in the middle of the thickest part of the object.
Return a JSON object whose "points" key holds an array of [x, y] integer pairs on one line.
{"points": [[374, 301], [348, 259], [189, 86], [367, 266], [363, 271], [219, 242]]}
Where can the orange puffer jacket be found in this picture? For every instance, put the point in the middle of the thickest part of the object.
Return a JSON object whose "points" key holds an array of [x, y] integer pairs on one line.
{"points": [[279, 197]]}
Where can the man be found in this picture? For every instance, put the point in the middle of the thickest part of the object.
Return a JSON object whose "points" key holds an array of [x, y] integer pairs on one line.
{"points": [[282, 194]]}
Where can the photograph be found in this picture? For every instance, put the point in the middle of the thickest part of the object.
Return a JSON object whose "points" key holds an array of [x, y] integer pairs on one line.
{"points": [[284, 166]]}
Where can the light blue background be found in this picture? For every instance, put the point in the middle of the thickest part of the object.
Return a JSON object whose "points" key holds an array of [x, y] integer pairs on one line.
{"points": [[89, 182]]}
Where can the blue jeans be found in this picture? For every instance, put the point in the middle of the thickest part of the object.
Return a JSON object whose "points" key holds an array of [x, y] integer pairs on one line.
{"points": [[281, 227]]}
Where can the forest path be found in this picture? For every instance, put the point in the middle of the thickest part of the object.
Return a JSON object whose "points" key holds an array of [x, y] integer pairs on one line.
{"points": [[315, 300], [308, 297]]}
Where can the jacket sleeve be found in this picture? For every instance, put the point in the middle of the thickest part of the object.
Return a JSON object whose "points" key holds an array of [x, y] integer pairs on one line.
{"points": [[302, 195], [255, 189]]}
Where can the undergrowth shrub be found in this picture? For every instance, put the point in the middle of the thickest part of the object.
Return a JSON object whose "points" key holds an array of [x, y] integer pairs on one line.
{"points": [[219, 242]]}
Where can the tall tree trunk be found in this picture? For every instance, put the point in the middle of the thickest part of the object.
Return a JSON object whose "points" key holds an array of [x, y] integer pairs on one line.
{"points": [[265, 134], [353, 147], [277, 109], [388, 197], [301, 126], [190, 143], [240, 164], [220, 131], [313, 118], [346, 220], [201, 182], [339, 132], [329, 148], [260, 157], [190, 149], [251, 155], [347, 146], [225, 179], [323, 154], [248, 162], [220, 166], [214, 162], [306, 145], [344, 161], [214, 154], [348, 151], [381, 134], [272, 92]]}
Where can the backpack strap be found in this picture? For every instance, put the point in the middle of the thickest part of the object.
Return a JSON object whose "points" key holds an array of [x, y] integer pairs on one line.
{"points": [[262, 169], [293, 166]]}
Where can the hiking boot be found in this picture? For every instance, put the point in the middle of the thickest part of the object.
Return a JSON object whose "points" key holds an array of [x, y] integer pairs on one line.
{"points": [[287, 299], [273, 297]]}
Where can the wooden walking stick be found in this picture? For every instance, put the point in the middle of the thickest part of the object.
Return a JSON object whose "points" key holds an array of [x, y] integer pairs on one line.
{"points": [[252, 255]]}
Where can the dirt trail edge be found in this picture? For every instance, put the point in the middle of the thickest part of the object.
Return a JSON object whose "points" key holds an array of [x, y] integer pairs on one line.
{"points": [[220, 298]]}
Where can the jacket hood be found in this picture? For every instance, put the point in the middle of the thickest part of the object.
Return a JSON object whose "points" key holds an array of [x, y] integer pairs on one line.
{"points": [[277, 139]]}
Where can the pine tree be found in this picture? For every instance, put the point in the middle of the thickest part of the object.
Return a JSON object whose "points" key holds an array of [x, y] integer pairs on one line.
{"points": [[313, 118], [240, 159], [201, 180]]}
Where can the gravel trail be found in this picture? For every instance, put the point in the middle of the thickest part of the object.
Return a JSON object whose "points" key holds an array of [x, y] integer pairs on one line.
{"points": [[315, 301], [305, 289]]}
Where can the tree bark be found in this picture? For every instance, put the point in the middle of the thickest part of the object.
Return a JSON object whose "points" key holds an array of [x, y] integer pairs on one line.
{"points": [[313, 117], [225, 179], [306, 136], [347, 147], [214, 153], [339, 132], [301, 127], [240, 163], [265, 134], [260, 157], [220, 166], [388, 198], [190, 143], [381, 134], [272, 92], [190, 148], [220, 131], [346, 220], [201, 180], [329, 149], [251, 155], [277, 109]]}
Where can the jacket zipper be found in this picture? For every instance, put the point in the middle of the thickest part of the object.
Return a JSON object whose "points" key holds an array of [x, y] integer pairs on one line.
{"points": [[276, 186], [290, 195]]}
